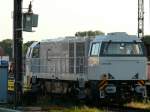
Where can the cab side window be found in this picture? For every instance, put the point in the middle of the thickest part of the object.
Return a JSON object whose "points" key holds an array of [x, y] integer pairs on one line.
{"points": [[35, 53], [95, 49]]}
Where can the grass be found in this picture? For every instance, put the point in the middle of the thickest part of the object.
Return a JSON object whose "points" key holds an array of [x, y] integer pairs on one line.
{"points": [[78, 109], [139, 105], [64, 105], [71, 105]]}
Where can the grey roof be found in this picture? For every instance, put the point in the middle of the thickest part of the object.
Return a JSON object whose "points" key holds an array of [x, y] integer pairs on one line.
{"points": [[117, 37]]}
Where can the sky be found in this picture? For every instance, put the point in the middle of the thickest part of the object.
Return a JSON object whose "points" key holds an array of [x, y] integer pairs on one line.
{"points": [[59, 18]]}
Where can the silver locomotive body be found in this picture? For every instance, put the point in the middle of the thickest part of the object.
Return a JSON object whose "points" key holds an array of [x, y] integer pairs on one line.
{"points": [[118, 61], [105, 67]]}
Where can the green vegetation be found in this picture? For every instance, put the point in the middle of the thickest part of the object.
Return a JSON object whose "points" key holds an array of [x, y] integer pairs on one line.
{"points": [[139, 105], [25, 46], [7, 45], [88, 33], [78, 109], [63, 104], [146, 39]]}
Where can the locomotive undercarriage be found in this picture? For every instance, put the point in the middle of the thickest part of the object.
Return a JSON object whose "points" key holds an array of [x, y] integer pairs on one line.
{"points": [[109, 91]]}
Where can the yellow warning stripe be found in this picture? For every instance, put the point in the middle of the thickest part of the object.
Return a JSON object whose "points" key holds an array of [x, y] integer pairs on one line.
{"points": [[26, 88], [141, 82], [10, 85], [102, 84]]}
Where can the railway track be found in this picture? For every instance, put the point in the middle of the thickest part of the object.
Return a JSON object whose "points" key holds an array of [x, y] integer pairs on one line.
{"points": [[105, 108], [59, 103], [123, 109], [62, 104]]}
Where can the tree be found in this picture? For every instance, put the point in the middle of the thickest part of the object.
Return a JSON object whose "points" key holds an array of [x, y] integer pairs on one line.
{"points": [[146, 39], [89, 33], [25, 46], [7, 46]]}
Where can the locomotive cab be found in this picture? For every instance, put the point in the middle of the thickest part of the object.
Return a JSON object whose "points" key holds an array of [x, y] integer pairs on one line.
{"points": [[33, 51], [117, 64], [32, 59]]}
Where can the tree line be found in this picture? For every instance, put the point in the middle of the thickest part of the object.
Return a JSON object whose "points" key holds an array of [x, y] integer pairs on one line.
{"points": [[7, 44]]}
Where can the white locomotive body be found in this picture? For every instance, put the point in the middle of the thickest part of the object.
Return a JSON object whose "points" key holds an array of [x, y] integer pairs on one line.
{"points": [[62, 59], [119, 61], [120, 55], [107, 66]]}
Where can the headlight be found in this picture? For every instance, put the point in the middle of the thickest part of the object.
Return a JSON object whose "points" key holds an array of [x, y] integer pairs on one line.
{"points": [[110, 89], [140, 89]]}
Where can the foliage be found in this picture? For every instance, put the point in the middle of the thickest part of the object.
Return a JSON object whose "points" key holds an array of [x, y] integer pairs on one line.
{"points": [[25, 46], [78, 109], [7, 46], [88, 33], [84, 109], [139, 105], [146, 39]]}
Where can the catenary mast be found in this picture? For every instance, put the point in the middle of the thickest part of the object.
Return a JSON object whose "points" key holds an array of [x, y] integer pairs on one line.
{"points": [[140, 19]]}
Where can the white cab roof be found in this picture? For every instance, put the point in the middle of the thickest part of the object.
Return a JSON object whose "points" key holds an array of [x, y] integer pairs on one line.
{"points": [[117, 37]]}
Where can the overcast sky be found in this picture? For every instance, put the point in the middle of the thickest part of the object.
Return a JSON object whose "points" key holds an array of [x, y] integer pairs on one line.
{"points": [[59, 18]]}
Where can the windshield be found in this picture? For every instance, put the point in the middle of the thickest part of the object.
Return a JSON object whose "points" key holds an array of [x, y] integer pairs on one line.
{"points": [[35, 53], [122, 48]]}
